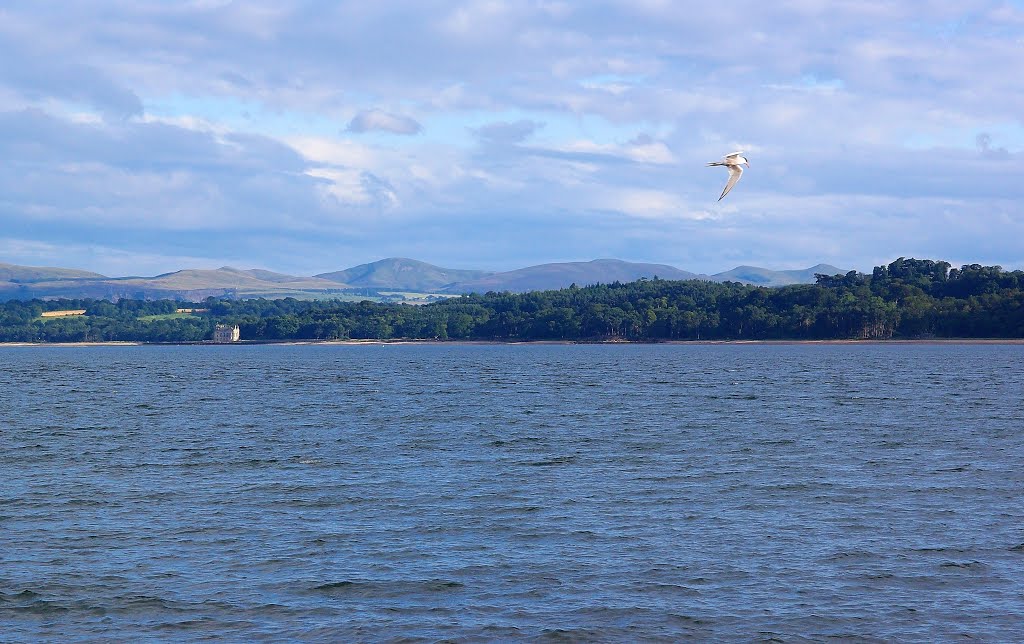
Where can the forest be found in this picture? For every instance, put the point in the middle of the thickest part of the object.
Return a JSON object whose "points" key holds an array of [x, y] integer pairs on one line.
{"points": [[908, 298]]}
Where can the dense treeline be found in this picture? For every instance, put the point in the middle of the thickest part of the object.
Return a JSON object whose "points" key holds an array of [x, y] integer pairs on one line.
{"points": [[103, 321], [909, 298]]}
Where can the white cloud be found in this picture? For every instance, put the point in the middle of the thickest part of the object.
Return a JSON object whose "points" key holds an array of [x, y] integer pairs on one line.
{"points": [[355, 188], [103, 259], [641, 150], [537, 117], [476, 18], [647, 203], [335, 151], [645, 150], [507, 132], [369, 120]]}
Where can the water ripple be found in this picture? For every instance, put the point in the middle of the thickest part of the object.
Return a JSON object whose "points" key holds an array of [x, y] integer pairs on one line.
{"points": [[532, 492]]}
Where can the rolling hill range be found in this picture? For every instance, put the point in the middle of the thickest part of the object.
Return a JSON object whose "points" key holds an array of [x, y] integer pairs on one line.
{"points": [[402, 274], [367, 281], [11, 272], [254, 280], [765, 277], [554, 276], [191, 284]]}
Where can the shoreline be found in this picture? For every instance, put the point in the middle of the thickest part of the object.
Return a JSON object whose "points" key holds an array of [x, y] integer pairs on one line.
{"points": [[930, 341], [110, 343]]}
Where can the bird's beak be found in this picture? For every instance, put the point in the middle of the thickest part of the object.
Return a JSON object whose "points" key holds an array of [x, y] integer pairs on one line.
{"points": [[747, 164]]}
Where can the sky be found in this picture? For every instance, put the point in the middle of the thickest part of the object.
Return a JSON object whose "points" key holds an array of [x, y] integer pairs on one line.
{"points": [[138, 138]]}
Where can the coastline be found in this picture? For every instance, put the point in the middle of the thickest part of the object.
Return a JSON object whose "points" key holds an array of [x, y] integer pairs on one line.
{"points": [[930, 341], [110, 343]]}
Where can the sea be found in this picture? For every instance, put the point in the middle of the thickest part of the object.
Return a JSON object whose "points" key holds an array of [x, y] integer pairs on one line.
{"points": [[531, 492]]}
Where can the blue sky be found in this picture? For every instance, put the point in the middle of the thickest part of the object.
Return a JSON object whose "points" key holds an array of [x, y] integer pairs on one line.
{"points": [[304, 137]]}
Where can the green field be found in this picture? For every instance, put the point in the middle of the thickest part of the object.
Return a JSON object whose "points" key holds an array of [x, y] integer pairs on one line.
{"points": [[165, 316], [59, 317], [414, 298]]}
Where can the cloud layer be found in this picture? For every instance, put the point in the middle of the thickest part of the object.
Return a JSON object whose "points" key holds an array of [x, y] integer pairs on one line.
{"points": [[368, 120], [494, 134]]}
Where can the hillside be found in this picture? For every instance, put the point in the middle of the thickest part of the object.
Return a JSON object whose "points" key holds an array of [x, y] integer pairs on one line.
{"points": [[22, 274], [402, 274], [366, 281], [555, 276], [231, 278], [908, 298], [277, 278], [191, 284], [767, 277]]}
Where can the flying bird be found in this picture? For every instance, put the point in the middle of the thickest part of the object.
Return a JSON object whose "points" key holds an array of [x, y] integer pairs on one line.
{"points": [[733, 163]]}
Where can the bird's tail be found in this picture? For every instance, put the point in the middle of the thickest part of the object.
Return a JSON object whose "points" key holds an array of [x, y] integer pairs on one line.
{"points": [[715, 163]]}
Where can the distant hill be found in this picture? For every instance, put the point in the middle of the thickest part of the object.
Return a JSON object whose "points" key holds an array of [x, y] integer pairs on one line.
{"points": [[271, 276], [189, 284], [766, 277], [393, 274], [555, 276], [230, 278], [12, 273], [402, 274]]}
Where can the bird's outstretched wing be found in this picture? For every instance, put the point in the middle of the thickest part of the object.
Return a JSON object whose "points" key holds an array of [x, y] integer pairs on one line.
{"points": [[735, 172], [733, 155]]}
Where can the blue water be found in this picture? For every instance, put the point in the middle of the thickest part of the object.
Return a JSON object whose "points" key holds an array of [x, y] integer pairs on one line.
{"points": [[596, 493]]}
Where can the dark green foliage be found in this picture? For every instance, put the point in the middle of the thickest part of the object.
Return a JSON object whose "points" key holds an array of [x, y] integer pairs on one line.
{"points": [[909, 298]]}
